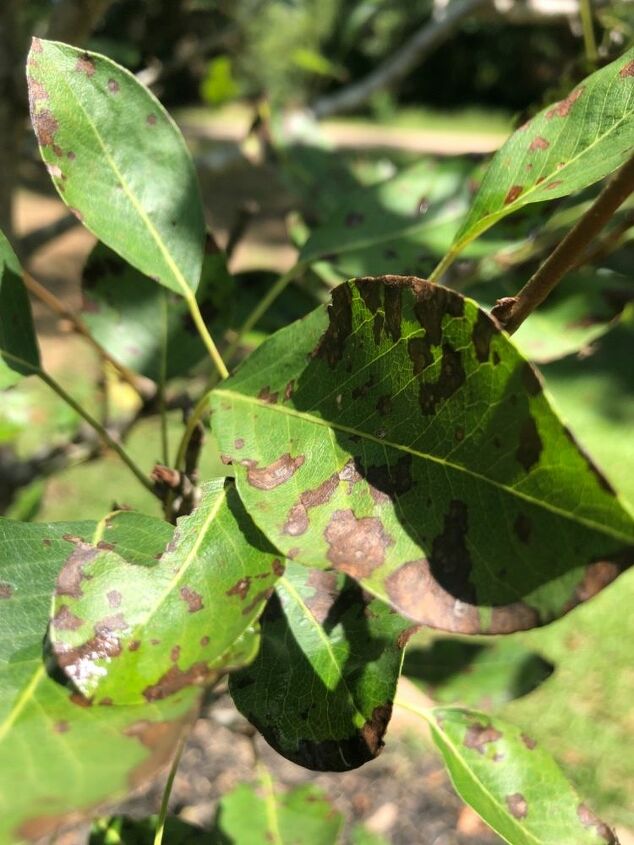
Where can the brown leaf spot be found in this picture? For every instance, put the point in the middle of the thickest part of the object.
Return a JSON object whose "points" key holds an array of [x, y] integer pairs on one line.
{"points": [[113, 86], [513, 193], [450, 379], [79, 662], [597, 576], [517, 805], [192, 599], [555, 184], [539, 143], [374, 729], [265, 395], [65, 620], [175, 653], [450, 561], [528, 741], [627, 70], [353, 219], [61, 727], [204, 641], [134, 645], [240, 588], [277, 567], [45, 126], [176, 679], [332, 345], [36, 45], [562, 109], [479, 735], [297, 519], [522, 528], [85, 64], [280, 471], [325, 585], [151, 120], [6, 590], [530, 444], [351, 474], [160, 739], [357, 546], [72, 573], [589, 819], [79, 700], [483, 330], [404, 637], [531, 380], [114, 598], [36, 90], [238, 443]]}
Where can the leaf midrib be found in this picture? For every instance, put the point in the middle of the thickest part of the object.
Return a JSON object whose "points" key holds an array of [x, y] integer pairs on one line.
{"points": [[309, 418]]}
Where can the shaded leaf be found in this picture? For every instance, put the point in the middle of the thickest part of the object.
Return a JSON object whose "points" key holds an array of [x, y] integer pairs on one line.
{"points": [[134, 320], [303, 815], [475, 674], [581, 308], [19, 352], [340, 653], [511, 782], [564, 148], [72, 756], [422, 458], [142, 831], [129, 633], [118, 161]]}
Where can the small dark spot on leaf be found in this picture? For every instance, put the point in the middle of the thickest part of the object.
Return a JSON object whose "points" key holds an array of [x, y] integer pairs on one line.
{"points": [[354, 218], [522, 528], [265, 395], [238, 443], [588, 819], [479, 735], [483, 330], [175, 653], [539, 143], [384, 405], [85, 64], [451, 377], [555, 184], [176, 679], [627, 70], [113, 86], [114, 598], [151, 119], [528, 741], [65, 620], [45, 126], [513, 193], [240, 588], [193, 599], [72, 573], [6, 590], [517, 805], [204, 641], [332, 344], [61, 727], [280, 471], [277, 567], [530, 445], [134, 645], [562, 109], [531, 380]]}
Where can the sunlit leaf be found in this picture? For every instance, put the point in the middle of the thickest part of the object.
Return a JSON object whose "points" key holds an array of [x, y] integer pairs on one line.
{"points": [[127, 632], [19, 352], [73, 755], [118, 161], [566, 147], [401, 438], [340, 653]]}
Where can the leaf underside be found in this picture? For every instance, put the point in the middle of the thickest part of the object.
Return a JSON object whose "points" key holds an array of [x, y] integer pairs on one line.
{"points": [[398, 436]]}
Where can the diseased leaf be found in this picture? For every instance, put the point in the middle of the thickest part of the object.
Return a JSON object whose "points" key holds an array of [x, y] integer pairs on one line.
{"points": [[70, 754], [340, 653], [118, 161], [127, 633], [564, 148], [582, 307], [422, 458], [19, 352], [302, 815], [476, 674], [133, 319], [513, 783]]}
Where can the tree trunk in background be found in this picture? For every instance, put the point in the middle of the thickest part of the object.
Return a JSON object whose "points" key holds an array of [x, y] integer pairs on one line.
{"points": [[11, 110], [73, 20]]}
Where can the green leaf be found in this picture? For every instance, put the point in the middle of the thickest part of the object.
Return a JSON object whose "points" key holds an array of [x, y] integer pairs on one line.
{"points": [[419, 455], [582, 307], [511, 782], [303, 815], [134, 320], [340, 652], [126, 831], [72, 755], [564, 148], [128, 633], [454, 671], [119, 161], [19, 352]]}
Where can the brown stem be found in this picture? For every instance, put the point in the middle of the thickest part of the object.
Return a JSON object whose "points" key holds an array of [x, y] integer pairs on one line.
{"points": [[513, 310], [57, 306]]}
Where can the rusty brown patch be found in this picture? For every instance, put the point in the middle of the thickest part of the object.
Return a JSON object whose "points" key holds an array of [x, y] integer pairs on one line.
{"points": [[113, 86], [325, 585], [114, 598], [72, 573], [61, 727], [79, 700], [562, 109], [151, 120], [134, 645], [259, 598], [528, 741], [478, 736], [192, 599], [289, 389], [450, 379], [280, 471], [539, 143], [597, 576], [555, 184], [374, 729], [513, 193], [517, 805], [516, 616], [530, 444], [589, 819], [160, 738], [522, 528], [392, 304], [37, 91], [277, 567], [45, 126], [238, 443], [483, 330], [332, 345], [176, 679], [240, 588], [65, 620], [357, 546], [204, 641], [404, 636], [265, 395], [6, 590], [85, 64], [79, 661], [175, 653], [297, 519], [627, 70]]}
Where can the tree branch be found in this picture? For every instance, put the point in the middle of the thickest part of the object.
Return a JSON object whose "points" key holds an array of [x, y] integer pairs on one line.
{"points": [[428, 38], [511, 311], [72, 21]]}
